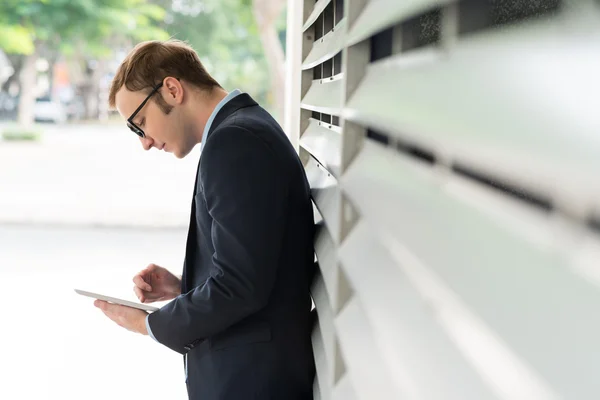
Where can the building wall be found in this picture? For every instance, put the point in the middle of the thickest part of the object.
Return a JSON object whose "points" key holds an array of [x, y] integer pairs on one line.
{"points": [[453, 148]]}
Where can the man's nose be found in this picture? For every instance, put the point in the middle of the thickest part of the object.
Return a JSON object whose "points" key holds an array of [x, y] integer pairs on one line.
{"points": [[147, 142]]}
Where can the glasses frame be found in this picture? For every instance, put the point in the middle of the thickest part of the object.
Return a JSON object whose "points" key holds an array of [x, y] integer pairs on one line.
{"points": [[130, 124]]}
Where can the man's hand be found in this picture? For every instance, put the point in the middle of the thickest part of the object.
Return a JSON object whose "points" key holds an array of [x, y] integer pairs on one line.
{"points": [[129, 318], [155, 283]]}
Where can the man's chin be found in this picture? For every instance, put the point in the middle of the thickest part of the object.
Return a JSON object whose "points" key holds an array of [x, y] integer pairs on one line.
{"points": [[182, 153]]}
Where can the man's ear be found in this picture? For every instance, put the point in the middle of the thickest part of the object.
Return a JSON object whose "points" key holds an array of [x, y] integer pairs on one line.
{"points": [[174, 92]]}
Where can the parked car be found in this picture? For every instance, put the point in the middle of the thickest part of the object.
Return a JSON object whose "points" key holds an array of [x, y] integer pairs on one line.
{"points": [[75, 109], [48, 110], [8, 106]]}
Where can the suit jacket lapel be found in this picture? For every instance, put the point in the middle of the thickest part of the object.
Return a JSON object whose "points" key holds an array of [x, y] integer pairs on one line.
{"points": [[238, 102], [241, 101]]}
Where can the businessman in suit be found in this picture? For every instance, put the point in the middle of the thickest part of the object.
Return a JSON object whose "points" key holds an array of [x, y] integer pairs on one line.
{"points": [[241, 310]]}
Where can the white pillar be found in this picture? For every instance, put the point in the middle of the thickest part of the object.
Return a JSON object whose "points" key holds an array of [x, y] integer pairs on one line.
{"points": [[291, 116]]}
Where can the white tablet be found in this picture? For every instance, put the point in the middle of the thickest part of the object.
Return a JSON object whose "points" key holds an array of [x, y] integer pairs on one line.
{"points": [[115, 300]]}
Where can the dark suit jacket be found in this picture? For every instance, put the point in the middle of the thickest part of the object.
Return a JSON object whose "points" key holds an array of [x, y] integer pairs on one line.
{"points": [[243, 319]]}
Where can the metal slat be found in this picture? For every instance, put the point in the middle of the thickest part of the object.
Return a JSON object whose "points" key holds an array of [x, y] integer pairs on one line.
{"points": [[326, 47], [411, 340], [327, 200], [324, 144], [545, 320], [326, 316], [324, 96], [327, 258], [323, 337], [326, 195], [344, 390], [370, 378], [381, 14], [316, 389], [514, 115], [317, 10], [322, 372], [316, 174], [317, 214]]}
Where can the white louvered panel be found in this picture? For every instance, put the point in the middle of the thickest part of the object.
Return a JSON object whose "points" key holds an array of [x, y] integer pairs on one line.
{"points": [[517, 115], [322, 369], [344, 390], [381, 14], [533, 311], [325, 195], [317, 10], [317, 214], [326, 317], [370, 378], [326, 47], [317, 175], [324, 96], [327, 200], [414, 347], [327, 257], [316, 389], [324, 144]]}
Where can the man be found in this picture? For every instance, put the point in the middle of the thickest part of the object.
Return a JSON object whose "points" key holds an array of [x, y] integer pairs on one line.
{"points": [[240, 313]]}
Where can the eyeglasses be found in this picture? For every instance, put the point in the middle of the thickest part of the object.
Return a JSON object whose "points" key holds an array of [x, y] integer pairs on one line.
{"points": [[130, 124]]}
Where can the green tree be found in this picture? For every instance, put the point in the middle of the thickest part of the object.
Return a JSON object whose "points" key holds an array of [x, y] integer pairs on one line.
{"points": [[229, 40], [267, 14], [42, 26]]}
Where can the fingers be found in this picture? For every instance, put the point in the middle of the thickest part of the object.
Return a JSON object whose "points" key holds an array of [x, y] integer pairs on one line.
{"points": [[140, 295], [141, 283], [99, 303], [111, 309], [141, 278], [151, 268], [104, 305]]}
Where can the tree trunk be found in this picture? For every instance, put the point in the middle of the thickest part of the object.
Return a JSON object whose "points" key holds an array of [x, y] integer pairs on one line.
{"points": [[51, 64], [91, 90], [16, 61], [276, 61], [266, 13], [102, 90], [28, 79]]}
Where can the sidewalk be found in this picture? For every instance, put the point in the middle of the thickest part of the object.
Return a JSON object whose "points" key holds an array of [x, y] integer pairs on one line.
{"points": [[59, 337], [94, 175]]}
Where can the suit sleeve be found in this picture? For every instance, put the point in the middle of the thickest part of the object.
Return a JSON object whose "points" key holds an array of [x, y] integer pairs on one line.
{"points": [[246, 196]]}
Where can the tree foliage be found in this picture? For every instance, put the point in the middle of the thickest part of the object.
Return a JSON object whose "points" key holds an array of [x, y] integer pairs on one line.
{"points": [[90, 28], [223, 32], [67, 24], [226, 37]]}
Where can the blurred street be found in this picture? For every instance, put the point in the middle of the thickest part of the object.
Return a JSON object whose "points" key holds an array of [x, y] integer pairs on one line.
{"points": [[86, 207], [58, 336], [94, 175]]}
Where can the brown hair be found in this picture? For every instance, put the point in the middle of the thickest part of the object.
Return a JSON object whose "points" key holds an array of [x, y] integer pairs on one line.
{"points": [[152, 61]]}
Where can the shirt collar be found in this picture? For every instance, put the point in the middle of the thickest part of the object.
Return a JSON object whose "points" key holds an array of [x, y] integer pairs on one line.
{"points": [[225, 100]]}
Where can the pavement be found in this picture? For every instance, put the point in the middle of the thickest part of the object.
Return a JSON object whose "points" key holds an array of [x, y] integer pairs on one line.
{"points": [[86, 207], [54, 344], [94, 175]]}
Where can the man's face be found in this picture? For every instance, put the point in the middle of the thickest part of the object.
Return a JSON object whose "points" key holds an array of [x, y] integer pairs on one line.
{"points": [[162, 131]]}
